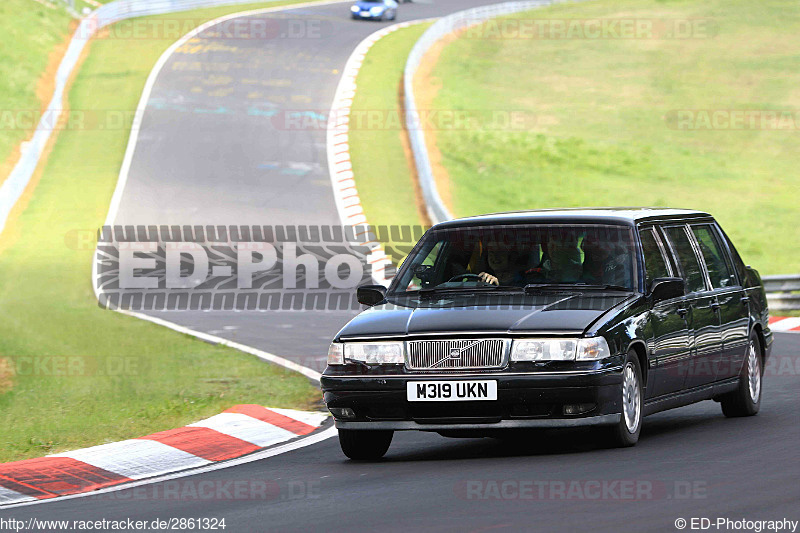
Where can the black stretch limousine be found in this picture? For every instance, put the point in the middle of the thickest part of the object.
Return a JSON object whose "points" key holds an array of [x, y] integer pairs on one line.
{"points": [[551, 318]]}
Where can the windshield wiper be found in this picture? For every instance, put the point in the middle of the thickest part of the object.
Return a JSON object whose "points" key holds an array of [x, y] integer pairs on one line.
{"points": [[532, 287], [609, 286], [478, 288]]}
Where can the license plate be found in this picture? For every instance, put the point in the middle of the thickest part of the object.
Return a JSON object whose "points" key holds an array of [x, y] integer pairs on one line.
{"points": [[451, 391]]}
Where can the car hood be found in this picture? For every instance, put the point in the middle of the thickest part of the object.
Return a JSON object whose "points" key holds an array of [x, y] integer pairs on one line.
{"points": [[556, 313], [364, 6]]}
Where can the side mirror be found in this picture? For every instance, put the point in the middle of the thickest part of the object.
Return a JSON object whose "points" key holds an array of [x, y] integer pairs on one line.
{"points": [[371, 294], [667, 288]]}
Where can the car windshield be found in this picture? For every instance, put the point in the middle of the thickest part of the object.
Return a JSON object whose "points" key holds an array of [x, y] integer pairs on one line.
{"points": [[536, 256]]}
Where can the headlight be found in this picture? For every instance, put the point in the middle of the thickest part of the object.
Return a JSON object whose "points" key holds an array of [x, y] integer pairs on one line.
{"points": [[544, 350], [374, 353], [377, 10], [354, 9], [336, 354], [560, 349]]}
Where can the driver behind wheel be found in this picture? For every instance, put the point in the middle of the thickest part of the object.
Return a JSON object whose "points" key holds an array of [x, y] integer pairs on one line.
{"points": [[503, 267]]}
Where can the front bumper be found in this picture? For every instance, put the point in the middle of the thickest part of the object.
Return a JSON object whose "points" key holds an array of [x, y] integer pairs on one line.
{"points": [[524, 400], [366, 15]]}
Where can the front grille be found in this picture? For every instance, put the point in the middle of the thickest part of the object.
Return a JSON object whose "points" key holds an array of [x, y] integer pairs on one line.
{"points": [[457, 354]]}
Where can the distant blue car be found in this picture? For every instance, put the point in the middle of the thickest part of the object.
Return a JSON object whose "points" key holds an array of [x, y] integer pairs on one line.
{"points": [[374, 9]]}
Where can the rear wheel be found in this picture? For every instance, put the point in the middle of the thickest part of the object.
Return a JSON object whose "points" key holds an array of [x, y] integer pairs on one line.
{"points": [[746, 399], [626, 432], [365, 445]]}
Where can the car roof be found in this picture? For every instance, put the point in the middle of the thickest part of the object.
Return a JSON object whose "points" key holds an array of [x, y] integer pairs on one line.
{"points": [[594, 215]]}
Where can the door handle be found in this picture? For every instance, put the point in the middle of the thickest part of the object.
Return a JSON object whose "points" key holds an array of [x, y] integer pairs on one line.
{"points": [[682, 311], [714, 306], [745, 300]]}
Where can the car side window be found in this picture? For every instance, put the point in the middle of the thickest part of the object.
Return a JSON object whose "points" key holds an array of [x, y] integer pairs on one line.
{"points": [[654, 262], [719, 270], [687, 259]]}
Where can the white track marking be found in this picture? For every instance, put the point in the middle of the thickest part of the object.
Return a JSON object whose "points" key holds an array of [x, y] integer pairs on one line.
{"points": [[246, 428], [258, 456], [345, 192], [786, 324], [8, 496], [136, 458], [311, 418], [213, 339]]}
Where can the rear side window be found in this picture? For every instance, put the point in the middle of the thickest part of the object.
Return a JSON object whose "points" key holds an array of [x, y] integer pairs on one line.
{"points": [[720, 272], [654, 263], [687, 259]]}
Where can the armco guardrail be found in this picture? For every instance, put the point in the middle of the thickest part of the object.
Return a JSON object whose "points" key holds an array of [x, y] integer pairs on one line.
{"points": [[20, 176], [444, 26], [783, 292]]}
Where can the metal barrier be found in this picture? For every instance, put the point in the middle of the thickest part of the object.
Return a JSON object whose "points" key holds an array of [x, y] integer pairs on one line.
{"points": [[13, 187], [444, 26], [783, 292]]}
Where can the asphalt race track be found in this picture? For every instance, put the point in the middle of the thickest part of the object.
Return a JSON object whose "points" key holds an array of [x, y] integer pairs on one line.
{"points": [[211, 149], [690, 462], [212, 156]]}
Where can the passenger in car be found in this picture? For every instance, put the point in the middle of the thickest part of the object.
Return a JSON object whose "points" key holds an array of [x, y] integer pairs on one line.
{"points": [[605, 263], [562, 263]]}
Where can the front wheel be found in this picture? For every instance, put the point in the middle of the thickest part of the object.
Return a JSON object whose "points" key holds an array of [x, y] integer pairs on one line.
{"points": [[626, 432], [365, 445], [746, 399]]}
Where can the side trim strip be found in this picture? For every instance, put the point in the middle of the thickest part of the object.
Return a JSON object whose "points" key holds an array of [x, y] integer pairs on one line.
{"points": [[406, 425]]}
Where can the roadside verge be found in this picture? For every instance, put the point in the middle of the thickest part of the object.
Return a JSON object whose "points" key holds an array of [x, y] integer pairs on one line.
{"points": [[239, 431], [124, 377]]}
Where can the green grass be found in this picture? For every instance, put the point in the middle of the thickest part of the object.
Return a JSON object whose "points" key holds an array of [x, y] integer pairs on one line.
{"points": [[152, 378], [601, 137], [384, 182], [29, 32]]}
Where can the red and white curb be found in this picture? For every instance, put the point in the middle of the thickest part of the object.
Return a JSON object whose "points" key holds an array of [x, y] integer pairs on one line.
{"points": [[238, 431], [785, 324], [345, 193]]}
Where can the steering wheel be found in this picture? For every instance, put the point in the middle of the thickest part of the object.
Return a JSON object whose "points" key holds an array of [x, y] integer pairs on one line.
{"points": [[465, 277]]}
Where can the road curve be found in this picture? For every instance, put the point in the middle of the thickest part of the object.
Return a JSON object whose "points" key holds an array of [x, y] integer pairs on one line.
{"points": [[209, 151]]}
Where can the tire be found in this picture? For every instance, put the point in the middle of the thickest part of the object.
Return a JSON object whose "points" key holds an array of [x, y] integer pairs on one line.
{"points": [[625, 433], [365, 445], [746, 399]]}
